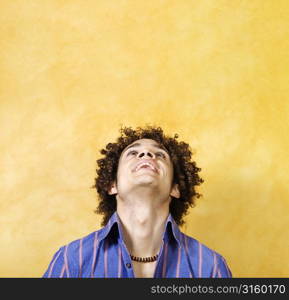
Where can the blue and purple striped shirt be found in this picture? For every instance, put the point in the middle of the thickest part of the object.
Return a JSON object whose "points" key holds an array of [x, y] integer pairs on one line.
{"points": [[103, 254]]}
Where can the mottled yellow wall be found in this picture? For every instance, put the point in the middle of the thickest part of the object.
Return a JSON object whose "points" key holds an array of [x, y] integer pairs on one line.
{"points": [[216, 72]]}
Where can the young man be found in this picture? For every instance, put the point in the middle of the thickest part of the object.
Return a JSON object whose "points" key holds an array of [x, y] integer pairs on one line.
{"points": [[146, 183]]}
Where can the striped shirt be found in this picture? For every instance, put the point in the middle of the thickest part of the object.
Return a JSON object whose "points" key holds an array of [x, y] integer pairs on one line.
{"points": [[104, 254]]}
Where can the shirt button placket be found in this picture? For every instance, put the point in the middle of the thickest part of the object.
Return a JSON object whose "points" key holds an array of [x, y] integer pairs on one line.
{"points": [[127, 261]]}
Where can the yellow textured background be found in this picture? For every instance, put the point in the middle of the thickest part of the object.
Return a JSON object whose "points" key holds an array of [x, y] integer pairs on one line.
{"points": [[216, 72]]}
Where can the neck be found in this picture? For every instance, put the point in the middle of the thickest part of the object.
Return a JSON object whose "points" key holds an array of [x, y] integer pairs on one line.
{"points": [[143, 221]]}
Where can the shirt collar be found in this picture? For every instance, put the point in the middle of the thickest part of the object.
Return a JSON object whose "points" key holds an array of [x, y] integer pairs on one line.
{"points": [[171, 229]]}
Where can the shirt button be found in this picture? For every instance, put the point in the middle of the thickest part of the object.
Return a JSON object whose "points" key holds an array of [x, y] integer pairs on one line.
{"points": [[128, 265]]}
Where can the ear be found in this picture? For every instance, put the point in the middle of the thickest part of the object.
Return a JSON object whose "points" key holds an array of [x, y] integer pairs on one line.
{"points": [[113, 189], [175, 192]]}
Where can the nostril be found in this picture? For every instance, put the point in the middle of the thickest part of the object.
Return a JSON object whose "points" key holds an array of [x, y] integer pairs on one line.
{"points": [[147, 153]]}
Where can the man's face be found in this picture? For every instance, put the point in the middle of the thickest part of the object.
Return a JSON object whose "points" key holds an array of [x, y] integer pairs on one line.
{"points": [[145, 163]]}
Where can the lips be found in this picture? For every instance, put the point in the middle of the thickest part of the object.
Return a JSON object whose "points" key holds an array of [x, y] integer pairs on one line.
{"points": [[146, 164]]}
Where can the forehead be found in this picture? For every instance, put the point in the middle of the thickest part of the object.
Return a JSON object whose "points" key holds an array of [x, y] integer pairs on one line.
{"points": [[145, 142]]}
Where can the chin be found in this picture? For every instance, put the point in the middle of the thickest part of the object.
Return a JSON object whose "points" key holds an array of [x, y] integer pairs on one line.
{"points": [[145, 182]]}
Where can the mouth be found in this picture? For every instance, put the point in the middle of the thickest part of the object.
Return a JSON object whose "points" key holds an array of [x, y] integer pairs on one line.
{"points": [[146, 166], [146, 169]]}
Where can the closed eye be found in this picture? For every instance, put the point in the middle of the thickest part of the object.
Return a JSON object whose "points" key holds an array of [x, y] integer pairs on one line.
{"points": [[132, 152], [160, 154]]}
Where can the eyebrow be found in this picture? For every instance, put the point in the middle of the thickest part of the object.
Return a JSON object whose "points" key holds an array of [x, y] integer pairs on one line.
{"points": [[154, 145]]}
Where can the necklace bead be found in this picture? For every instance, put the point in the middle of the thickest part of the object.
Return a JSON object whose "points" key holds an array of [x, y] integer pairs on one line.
{"points": [[144, 259]]}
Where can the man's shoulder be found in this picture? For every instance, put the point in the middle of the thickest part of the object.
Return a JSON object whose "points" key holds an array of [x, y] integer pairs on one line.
{"points": [[74, 256], [84, 244], [205, 261], [194, 246]]}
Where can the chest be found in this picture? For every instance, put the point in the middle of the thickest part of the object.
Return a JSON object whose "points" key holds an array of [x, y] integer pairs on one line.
{"points": [[144, 270]]}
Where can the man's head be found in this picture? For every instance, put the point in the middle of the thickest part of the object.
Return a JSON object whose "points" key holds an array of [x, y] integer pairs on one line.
{"points": [[145, 157], [145, 165]]}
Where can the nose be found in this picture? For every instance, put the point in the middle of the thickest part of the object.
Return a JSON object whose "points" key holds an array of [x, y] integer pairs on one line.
{"points": [[145, 153]]}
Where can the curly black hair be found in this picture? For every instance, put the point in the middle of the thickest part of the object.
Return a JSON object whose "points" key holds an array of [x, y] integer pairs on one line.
{"points": [[185, 170]]}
